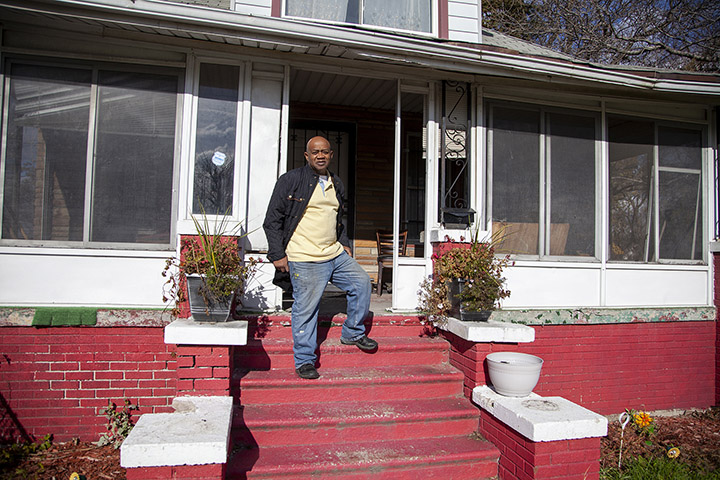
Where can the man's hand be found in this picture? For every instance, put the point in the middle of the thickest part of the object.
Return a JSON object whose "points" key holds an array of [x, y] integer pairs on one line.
{"points": [[282, 264], [347, 249]]}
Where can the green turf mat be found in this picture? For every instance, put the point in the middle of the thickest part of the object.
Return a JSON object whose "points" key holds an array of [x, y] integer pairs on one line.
{"points": [[59, 316]]}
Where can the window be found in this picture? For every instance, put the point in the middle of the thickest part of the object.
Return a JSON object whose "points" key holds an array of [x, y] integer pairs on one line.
{"points": [[655, 193], [543, 180], [215, 139], [413, 15], [89, 155]]}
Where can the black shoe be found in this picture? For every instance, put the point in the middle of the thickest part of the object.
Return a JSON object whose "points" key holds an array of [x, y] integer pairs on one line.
{"points": [[363, 343], [308, 371]]}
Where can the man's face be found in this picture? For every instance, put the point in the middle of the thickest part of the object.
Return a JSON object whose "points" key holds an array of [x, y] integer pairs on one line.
{"points": [[318, 155]]}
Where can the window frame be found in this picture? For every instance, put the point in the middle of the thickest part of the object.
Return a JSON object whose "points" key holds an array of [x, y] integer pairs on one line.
{"points": [[93, 67], [240, 144], [658, 123], [544, 183], [434, 21]]}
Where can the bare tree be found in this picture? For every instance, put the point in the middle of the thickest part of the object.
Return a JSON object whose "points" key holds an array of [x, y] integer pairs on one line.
{"points": [[678, 34]]}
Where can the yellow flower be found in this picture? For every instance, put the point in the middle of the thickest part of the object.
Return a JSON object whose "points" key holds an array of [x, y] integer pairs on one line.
{"points": [[674, 452], [74, 476], [642, 419]]}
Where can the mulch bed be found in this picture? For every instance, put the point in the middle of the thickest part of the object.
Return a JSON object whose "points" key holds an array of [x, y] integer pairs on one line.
{"points": [[63, 459], [696, 435]]}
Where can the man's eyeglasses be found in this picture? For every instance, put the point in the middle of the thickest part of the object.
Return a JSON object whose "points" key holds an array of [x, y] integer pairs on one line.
{"points": [[317, 152]]}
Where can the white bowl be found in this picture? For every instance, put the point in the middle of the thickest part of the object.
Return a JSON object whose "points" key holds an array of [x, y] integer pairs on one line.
{"points": [[514, 374]]}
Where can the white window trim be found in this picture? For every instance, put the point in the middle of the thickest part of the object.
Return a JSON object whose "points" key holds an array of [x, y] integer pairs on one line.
{"points": [[186, 225]]}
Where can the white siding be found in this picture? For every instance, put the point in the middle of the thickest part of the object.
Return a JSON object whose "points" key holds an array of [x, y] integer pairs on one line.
{"points": [[464, 20], [535, 285], [550, 286], [267, 90], [626, 287], [254, 7], [61, 277]]}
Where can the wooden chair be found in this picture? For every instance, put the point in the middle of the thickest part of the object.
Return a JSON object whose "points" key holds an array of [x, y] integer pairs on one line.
{"points": [[385, 252]]}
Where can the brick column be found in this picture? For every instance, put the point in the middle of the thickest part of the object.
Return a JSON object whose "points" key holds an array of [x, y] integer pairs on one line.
{"points": [[204, 370], [524, 459]]}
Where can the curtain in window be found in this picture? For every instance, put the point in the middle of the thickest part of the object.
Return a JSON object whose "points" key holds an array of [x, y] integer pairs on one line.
{"points": [[347, 11], [412, 15], [401, 14]]}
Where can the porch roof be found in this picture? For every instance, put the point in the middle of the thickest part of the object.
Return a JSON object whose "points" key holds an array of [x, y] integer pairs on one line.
{"points": [[498, 55]]}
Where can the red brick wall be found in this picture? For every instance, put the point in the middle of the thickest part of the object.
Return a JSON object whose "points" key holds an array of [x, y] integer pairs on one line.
{"points": [[716, 297], [204, 370], [58, 380], [524, 459], [180, 472], [610, 367]]}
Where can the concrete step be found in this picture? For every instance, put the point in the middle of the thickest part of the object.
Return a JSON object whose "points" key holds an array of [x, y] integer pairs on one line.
{"points": [[277, 352], [351, 421], [464, 457], [340, 384]]}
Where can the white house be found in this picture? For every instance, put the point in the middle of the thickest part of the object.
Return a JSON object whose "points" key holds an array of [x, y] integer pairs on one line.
{"points": [[120, 118]]}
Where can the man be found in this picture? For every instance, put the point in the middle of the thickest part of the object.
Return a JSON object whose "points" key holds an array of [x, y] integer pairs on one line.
{"points": [[306, 237]]}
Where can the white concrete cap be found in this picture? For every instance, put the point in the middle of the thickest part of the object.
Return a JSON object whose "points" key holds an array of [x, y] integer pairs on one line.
{"points": [[197, 433], [490, 331], [186, 331], [541, 419]]}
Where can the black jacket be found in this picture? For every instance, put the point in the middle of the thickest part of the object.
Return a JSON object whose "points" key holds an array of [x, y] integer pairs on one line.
{"points": [[287, 206]]}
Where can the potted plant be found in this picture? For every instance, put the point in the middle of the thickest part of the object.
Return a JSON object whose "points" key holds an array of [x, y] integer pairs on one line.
{"points": [[212, 268], [467, 282]]}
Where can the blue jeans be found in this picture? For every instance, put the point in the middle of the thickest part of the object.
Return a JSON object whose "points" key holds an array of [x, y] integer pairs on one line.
{"points": [[309, 280]]}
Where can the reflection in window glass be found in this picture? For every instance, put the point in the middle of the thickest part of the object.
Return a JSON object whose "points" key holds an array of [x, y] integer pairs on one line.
{"points": [[46, 151], [680, 147], [680, 193], [132, 189], [680, 216], [572, 187], [516, 177], [631, 164], [215, 139]]}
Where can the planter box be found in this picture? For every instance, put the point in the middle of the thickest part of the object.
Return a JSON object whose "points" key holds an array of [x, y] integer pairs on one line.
{"points": [[219, 309], [458, 311]]}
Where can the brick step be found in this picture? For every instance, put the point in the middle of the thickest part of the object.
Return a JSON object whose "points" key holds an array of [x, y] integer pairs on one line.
{"points": [[465, 457], [278, 326], [338, 422], [340, 384], [271, 353]]}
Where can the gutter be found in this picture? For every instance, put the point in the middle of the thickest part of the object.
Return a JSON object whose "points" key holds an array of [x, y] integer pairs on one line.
{"points": [[370, 45]]}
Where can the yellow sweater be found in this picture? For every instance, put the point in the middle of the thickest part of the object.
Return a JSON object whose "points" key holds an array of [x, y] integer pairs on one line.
{"points": [[315, 238]]}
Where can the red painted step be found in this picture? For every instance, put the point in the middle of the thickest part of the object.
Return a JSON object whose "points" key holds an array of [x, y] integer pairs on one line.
{"points": [[278, 326], [447, 458], [395, 413], [264, 354], [336, 422], [359, 384]]}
